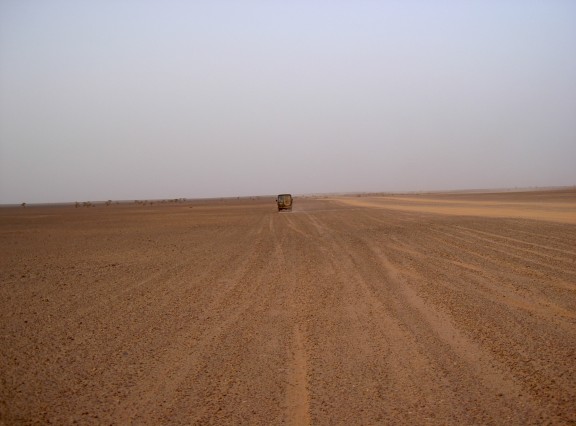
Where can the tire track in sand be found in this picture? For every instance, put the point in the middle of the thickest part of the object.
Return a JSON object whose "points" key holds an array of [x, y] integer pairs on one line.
{"points": [[297, 394], [297, 397]]}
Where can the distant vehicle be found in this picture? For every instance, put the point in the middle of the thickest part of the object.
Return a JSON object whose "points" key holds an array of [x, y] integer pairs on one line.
{"points": [[284, 202]]}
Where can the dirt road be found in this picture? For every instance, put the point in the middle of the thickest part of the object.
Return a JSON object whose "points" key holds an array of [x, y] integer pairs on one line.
{"points": [[345, 311]]}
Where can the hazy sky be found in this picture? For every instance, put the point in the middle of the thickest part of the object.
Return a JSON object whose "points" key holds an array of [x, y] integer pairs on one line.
{"points": [[136, 99]]}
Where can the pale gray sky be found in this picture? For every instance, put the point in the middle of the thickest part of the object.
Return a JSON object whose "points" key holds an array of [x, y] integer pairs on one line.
{"points": [[136, 99]]}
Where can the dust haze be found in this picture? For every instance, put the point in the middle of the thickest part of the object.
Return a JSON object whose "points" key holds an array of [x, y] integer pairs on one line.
{"points": [[142, 100]]}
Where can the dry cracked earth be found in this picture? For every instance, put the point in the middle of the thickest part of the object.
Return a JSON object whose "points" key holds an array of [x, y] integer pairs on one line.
{"points": [[443, 309]]}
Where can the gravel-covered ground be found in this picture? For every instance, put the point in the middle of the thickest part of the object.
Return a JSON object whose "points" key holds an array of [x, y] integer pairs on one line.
{"points": [[433, 309]]}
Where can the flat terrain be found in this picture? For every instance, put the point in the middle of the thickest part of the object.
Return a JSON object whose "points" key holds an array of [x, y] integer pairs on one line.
{"points": [[415, 309]]}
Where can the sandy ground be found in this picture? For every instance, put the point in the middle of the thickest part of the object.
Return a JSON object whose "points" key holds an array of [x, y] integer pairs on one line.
{"points": [[445, 309]]}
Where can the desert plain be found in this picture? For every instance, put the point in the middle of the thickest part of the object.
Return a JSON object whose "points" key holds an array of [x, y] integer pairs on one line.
{"points": [[375, 309]]}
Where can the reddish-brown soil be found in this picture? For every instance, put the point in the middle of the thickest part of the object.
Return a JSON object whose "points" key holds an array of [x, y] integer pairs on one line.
{"points": [[433, 309]]}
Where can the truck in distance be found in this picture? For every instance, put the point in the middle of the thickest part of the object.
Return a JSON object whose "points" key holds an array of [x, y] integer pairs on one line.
{"points": [[284, 202]]}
